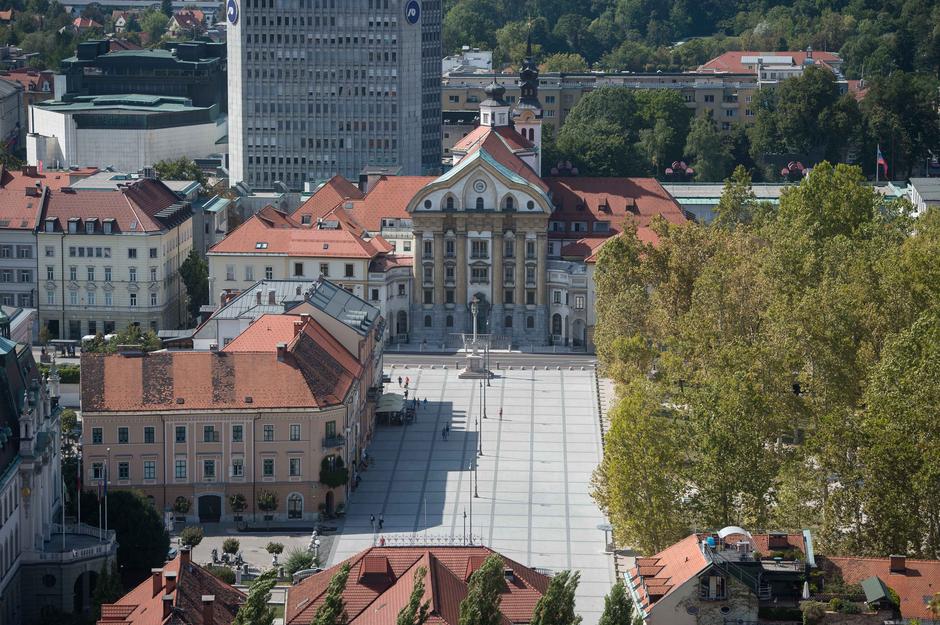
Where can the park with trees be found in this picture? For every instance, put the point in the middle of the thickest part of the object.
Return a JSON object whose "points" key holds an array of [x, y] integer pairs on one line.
{"points": [[771, 368]]}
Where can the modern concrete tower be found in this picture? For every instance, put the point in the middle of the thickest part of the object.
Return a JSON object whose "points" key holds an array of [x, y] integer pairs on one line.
{"points": [[324, 87]]}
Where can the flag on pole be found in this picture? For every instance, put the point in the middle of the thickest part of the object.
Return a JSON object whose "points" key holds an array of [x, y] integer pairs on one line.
{"points": [[106, 476], [881, 161]]}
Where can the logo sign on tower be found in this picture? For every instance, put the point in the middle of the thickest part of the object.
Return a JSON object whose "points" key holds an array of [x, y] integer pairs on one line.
{"points": [[231, 9], [413, 11]]}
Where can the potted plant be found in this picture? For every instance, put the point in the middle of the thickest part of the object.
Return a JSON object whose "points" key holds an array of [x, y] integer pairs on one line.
{"points": [[275, 549], [181, 507], [267, 503], [238, 504], [231, 546]]}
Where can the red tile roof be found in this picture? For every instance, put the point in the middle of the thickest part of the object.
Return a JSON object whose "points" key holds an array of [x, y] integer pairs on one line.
{"points": [[31, 79], [314, 372], [670, 568], [6, 16], [623, 202], [18, 210], [374, 597], [333, 192], [134, 208], [115, 45], [279, 233], [190, 19], [141, 606], [388, 199], [730, 62], [502, 143], [85, 22], [510, 137], [915, 586]]}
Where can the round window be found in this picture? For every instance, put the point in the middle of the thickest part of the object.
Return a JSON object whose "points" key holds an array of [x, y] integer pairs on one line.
{"points": [[479, 186], [692, 609], [427, 203], [725, 609], [48, 580]]}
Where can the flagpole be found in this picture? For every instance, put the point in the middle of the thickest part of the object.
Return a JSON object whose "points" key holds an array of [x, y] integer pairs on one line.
{"points": [[877, 162], [64, 490], [107, 476], [78, 487]]}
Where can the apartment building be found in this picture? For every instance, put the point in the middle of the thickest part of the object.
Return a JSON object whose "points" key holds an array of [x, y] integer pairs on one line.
{"points": [[110, 258], [274, 246], [324, 87], [45, 567], [278, 410]]}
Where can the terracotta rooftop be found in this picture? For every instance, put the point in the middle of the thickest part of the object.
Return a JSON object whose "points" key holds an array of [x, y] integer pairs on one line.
{"points": [[731, 62], [614, 200], [144, 605], [919, 581], [381, 580], [510, 137], [658, 575], [31, 79], [274, 232], [502, 144], [314, 371], [85, 22], [145, 205], [330, 195], [22, 195]]}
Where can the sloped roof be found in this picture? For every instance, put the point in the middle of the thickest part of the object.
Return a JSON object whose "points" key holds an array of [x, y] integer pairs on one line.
{"points": [[510, 137], [31, 79], [491, 142], [315, 372], [388, 199], [619, 201], [141, 606], [657, 576], [274, 232], [327, 197], [375, 598], [145, 205], [19, 211], [915, 585]]}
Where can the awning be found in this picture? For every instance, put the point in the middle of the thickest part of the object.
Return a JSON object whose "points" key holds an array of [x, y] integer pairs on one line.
{"points": [[390, 402]]}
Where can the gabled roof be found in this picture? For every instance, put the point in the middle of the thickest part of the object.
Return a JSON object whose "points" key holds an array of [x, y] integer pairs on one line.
{"points": [[315, 371], [381, 580], [22, 195], [343, 306], [85, 22], [328, 196], [915, 585], [143, 606], [657, 576], [510, 137], [388, 199], [501, 145]]}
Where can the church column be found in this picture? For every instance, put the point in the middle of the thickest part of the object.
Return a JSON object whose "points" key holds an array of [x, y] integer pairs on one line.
{"points": [[439, 268], [541, 252], [497, 278], [461, 282], [417, 282], [520, 269]]}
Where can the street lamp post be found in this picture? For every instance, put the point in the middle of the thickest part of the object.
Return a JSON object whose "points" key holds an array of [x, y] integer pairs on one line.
{"points": [[480, 426], [470, 535]]}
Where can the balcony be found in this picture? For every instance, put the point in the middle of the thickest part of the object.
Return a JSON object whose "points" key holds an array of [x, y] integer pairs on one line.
{"points": [[82, 542], [337, 440]]}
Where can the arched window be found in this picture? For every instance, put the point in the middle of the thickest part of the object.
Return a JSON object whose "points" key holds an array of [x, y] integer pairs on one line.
{"points": [[510, 204], [530, 205], [401, 323], [556, 324], [449, 203], [531, 134], [295, 506], [427, 321], [530, 322], [450, 321], [479, 203], [508, 321]]}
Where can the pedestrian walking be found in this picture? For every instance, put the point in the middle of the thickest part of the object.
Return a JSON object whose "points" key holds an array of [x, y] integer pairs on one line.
{"points": [[407, 381], [406, 392], [500, 414], [381, 520], [372, 521], [399, 381], [425, 402], [443, 434]]}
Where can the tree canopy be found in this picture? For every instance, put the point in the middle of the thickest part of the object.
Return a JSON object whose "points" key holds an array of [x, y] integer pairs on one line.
{"points": [[195, 275], [480, 606], [333, 609], [255, 610], [182, 168], [771, 367]]}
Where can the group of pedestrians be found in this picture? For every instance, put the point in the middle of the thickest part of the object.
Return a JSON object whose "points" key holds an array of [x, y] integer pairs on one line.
{"points": [[445, 432], [381, 522]]}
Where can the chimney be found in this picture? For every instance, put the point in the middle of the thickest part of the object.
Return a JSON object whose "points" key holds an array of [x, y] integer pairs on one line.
{"points": [[281, 352], [170, 581], [298, 326], [898, 564], [185, 554], [167, 605], [207, 616], [157, 576]]}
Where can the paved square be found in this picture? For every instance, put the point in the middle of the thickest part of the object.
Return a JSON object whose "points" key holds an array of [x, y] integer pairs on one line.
{"points": [[534, 474]]}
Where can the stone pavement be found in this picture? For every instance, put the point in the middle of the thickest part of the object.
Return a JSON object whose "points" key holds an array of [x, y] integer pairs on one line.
{"points": [[534, 474]]}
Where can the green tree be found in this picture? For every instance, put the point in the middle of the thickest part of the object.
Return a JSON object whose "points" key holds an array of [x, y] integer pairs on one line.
{"points": [[556, 606], [566, 62], [107, 588], [154, 24], [131, 335], [231, 546], [255, 610], [416, 612], [656, 144], [710, 156], [737, 202], [333, 609], [166, 7], [68, 421], [195, 274], [618, 609], [299, 560], [275, 548], [480, 606], [182, 168], [191, 536], [142, 540]]}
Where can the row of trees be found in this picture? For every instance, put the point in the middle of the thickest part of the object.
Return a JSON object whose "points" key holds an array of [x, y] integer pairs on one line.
{"points": [[875, 38], [777, 369], [617, 131], [480, 606]]}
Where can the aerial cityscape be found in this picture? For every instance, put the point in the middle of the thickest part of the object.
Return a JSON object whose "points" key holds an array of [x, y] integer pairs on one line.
{"points": [[469, 312]]}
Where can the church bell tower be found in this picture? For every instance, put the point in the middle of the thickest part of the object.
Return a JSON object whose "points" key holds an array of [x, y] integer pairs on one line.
{"points": [[527, 114]]}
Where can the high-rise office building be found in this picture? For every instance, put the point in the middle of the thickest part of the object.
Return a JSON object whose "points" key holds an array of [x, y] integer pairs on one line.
{"points": [[324, 87]]}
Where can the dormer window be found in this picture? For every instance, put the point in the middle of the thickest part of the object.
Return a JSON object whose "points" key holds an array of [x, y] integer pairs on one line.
{"points": [[90, 226], [486, 119], [50, 225], [305, 220], [73, 226], [108, 226]]}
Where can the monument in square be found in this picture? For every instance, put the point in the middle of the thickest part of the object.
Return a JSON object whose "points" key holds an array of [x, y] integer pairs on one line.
{"points": [[476, 367]]}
